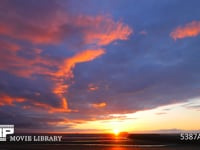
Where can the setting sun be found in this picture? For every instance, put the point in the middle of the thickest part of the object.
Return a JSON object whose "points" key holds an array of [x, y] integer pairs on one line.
{"points": [[116, 132]]}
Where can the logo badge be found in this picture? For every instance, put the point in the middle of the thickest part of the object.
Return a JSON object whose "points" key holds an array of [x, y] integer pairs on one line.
{"points": [[5, 130]]}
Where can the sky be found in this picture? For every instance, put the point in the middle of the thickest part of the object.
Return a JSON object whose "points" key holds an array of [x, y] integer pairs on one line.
{"points": [[96, 66]]}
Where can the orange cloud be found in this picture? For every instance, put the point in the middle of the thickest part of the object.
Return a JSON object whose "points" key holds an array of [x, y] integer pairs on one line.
{"points": [[83, 56], [9, 100], [19, 66], [65, 122], [65, 71], [102, 30], [99, 105], [99, 30], [13, 63], [51, 109], [189, 30]]}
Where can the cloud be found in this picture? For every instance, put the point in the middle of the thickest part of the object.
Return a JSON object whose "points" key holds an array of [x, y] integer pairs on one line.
{"points": [[91, 31], [102, 30], [14, 63], [8, 100], [35, 121], [29, 32], [65, 71], [191, 29], [5, 45], [143, 32], [92, 87], [56, 26], [83, 56], [35, 83], [25, 23], [59, 25], [99, 105], [39, 106]]}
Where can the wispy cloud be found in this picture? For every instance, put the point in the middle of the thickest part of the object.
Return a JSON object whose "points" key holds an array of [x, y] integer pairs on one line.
{"points": [[102, 30], [57, 26], [11, 61], [65, 71]]}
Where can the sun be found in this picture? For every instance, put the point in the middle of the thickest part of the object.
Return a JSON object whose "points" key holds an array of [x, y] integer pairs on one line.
{"points": [[116, 132]]}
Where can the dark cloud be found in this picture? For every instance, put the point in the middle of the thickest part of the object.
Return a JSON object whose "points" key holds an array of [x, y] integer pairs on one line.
{"points": [[38, 90], [33, 121]]}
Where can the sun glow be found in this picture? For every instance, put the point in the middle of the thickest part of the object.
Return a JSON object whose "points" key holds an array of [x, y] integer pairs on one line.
{"points": [[116, 132]]}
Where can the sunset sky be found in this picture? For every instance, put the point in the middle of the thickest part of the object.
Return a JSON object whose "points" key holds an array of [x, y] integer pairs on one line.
{"points": [[100, 65]]}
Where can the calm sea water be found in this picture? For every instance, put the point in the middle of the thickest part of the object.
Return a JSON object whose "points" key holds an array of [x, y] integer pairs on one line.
{"points": [[100, 142], [93, 147]]}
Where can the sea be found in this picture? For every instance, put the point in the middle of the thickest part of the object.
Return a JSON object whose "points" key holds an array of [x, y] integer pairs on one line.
{"points": [[106, 142]]}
